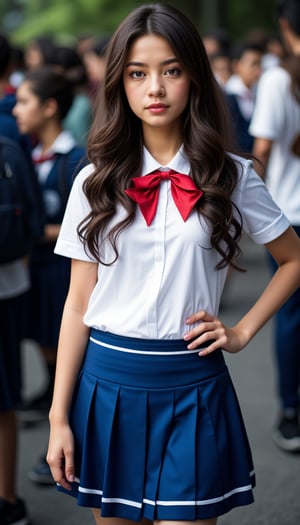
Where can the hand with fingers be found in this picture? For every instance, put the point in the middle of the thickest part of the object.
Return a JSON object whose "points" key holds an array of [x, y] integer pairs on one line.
{"points": [[211, 331], [60, 455]]}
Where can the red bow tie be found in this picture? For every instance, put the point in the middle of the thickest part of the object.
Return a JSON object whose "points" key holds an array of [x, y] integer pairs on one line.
{"points": [[44, 158], [146, 191]]}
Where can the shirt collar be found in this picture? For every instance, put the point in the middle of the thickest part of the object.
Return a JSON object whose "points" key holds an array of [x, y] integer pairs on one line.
{"points": [[179, 163], [236, 86], [62, 144]]}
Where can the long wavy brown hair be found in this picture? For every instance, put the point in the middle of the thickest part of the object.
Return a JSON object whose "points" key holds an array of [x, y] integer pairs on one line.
{"points": [[116, 143]]}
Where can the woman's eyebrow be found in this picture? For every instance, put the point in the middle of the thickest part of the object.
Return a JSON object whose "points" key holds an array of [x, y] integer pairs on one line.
{"points": [[143, 64]]}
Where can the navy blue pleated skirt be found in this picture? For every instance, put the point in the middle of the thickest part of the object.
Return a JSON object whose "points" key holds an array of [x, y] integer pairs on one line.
{"points": [[158, 432]]}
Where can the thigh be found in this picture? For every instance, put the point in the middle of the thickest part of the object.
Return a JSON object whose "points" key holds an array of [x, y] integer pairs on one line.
{"points": [[211, 521], [116, 521], [119, 521]]}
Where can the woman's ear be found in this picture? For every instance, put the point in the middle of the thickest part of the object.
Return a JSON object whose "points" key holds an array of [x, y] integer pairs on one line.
{"points": [[50, 108]]}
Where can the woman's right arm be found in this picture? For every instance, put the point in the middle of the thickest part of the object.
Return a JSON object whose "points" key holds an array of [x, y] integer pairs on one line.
{"points": [[71, 348]]}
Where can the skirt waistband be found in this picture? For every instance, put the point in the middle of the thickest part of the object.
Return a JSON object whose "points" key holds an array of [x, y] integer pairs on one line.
{"points": [[141, 346], [148, 363]]}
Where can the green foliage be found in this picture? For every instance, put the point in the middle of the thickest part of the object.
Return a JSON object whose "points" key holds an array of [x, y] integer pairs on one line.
{"points": [[69, 18], [4, 8], [54, 19], [242, 17]]}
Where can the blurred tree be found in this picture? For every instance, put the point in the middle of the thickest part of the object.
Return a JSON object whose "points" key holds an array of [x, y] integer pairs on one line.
{"points": [[25, 19], [10, 14], [241, 17]]}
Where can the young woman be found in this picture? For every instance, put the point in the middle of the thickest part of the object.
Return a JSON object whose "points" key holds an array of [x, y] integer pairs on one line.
{"points": [[145, 424]]}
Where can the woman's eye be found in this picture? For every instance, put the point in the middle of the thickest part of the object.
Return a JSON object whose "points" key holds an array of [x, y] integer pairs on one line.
{"points": [[173, 71], [137, 74]]}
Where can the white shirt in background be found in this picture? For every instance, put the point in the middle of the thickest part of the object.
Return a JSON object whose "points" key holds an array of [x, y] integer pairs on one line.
{"points": [[277, 118]]}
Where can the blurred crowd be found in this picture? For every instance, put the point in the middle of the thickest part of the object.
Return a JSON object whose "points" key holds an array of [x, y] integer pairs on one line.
{"points": [[238, 67], [47, 95], [82, 64]]}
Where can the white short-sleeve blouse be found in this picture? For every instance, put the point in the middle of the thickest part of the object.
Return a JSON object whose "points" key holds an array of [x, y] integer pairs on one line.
{"points": [[165, 272]]}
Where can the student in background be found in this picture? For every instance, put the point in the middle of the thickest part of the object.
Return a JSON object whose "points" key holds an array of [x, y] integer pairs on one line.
{"points": [[43, 100], [274, 53], [14, 286], [79, 117], [276, 128], [39, 51], [215, 41], [220, 62], [8, 97], [241, 90], [95, 63]]}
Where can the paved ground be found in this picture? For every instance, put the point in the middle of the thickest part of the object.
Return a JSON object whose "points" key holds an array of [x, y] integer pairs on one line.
{"points": [[278, 473]]}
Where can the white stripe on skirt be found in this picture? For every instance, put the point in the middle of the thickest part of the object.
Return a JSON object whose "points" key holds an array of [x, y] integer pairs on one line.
{"points": [[131, 351], [165, 503]]}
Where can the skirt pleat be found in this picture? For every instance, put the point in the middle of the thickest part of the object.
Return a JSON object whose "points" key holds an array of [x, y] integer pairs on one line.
{"points": [[161, 452]]}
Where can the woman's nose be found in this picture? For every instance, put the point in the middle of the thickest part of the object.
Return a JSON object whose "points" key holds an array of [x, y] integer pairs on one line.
{"points": [[156, 87]]}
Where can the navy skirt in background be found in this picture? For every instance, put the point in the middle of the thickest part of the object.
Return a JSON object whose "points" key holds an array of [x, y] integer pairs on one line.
{"points": [[158, 432], [12, 329], [50, 278]]}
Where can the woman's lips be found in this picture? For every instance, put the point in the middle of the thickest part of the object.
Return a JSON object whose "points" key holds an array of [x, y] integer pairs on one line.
{"points": [[157, 108]]}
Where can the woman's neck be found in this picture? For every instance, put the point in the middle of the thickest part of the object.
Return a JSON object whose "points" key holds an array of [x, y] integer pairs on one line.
{"points": [[48, 136], [163, 145]]}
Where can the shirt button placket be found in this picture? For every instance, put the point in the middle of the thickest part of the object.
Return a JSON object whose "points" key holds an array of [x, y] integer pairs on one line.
{"points": [[159, 232]]}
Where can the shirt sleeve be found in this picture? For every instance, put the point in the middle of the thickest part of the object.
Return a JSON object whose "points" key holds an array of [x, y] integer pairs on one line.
{"points": [[68, 242], [263, 220], [268, 117]]}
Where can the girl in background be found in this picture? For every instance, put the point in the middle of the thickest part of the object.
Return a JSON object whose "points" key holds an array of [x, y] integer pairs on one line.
{"points": [[145, 423], [95, 62], [43, 99], [79, 117], [39, 52]]}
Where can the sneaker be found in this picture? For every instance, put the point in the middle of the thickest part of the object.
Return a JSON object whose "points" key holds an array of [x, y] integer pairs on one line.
{"points": [[35, 409], [13, 513], [41, 473], [287, 433]]}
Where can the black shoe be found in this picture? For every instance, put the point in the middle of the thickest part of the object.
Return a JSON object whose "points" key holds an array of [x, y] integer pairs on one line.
{"points": [[35, 409], [13, 513], [287, 433], [41, 473]]}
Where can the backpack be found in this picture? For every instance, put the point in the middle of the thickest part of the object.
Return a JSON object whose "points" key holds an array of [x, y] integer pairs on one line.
{"points": [[21, 210]]}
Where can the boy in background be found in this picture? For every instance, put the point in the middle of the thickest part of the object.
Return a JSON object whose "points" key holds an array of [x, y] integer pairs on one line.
{"points": [[241, 90]]}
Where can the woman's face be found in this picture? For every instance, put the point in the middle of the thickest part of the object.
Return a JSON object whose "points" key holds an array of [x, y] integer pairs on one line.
{"points": [[156, 84], [29, 110], [95, 66], [33, 56]]}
